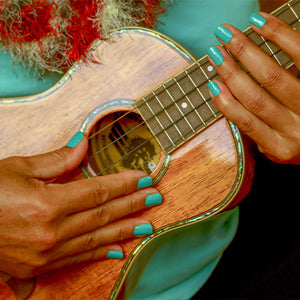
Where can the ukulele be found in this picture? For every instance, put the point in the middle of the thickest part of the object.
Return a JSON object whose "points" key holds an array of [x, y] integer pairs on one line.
{"points": [[144, 106]]}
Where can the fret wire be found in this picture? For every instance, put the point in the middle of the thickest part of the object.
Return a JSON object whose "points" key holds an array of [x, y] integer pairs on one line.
{"points": [[178, 106], [272, 52], [158, 121], [114, 163], [187, 97], [208, 80], [172, 121], [163, 130], [202, 70], [200, 93], [153, 114], [295, 14]]}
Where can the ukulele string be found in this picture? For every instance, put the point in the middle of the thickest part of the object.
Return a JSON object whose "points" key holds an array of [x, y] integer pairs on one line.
{"points": [[142, 123], [127, 154], [133, 150], [109, 125], [195, 87], [114, 141], [139, 167]]}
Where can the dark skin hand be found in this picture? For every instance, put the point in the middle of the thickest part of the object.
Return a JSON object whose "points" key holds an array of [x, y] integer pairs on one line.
{"points": [[269, 115], [45, 226]]}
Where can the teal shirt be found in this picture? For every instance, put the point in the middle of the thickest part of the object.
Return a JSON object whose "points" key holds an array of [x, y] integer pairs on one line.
{"points": [[184, 259]]}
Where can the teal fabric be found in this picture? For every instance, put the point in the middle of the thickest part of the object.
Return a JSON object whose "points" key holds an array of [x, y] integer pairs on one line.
{"points": [[185, 259], [16, 81]]}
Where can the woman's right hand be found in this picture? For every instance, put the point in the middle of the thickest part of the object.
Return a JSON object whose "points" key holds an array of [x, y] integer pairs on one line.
{"points": [[46, 225]]}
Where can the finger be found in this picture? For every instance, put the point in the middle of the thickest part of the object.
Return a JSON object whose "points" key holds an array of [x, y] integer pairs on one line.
{"points": [[268, 73], [111, 233], [273, 29], [90, 220], [113, 251], [232, 109], [85, 194], [58, 162], [252, 96]]}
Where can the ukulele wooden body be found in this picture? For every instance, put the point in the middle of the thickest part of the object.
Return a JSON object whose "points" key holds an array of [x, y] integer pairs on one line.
{"points": [[204, 176]]}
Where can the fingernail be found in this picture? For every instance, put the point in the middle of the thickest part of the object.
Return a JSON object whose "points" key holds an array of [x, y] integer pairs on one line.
{"points": [[215, 55], [74, 141], [153, 199], [213, 87], [115, 254], [144, 182], [257, 20], [223, 34], [143, 229]]}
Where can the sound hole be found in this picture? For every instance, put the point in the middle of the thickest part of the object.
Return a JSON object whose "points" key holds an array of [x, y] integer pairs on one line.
{"points": [[121, 141]]}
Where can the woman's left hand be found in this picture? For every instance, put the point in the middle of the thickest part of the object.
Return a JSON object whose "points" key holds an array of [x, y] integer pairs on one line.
{"points": [[270, 115]]}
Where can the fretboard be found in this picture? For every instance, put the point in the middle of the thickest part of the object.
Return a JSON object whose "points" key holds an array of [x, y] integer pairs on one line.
{"points": [[182, 107]]}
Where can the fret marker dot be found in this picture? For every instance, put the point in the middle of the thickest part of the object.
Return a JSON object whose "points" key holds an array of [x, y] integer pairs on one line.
{"points": [[184, 105], [210, 68]]}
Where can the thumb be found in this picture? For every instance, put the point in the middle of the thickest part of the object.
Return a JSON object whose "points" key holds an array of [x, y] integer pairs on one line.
{"points": [[60, 161]]}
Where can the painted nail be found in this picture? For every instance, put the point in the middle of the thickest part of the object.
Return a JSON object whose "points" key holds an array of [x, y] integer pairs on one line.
{"points": [[115, 254], [223, 34], [215, 55], [257, 20], [144, 182], [143, 229], [213, 87], [74, 141], [153, 199]]}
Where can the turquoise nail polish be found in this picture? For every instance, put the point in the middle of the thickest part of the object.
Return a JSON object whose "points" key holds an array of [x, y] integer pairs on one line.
{"points": [[213, 87], [143, 229], [74, 141], [257, 20], [115, 254], [223, 34], [144, 182], [215, 55], [153, 199]]}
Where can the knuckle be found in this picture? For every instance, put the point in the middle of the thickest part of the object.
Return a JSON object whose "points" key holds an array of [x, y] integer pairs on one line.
{"points": [[231, 74], [124, 180], [239, 48], [38, 261], [245, 125], [45, 239], [255, 102], [90, 242], [102, 216], [42, 211], [271, 78], [134, 201], [60, 157], [122, 233], [285, 154], [100, 192], [274, 27]]}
